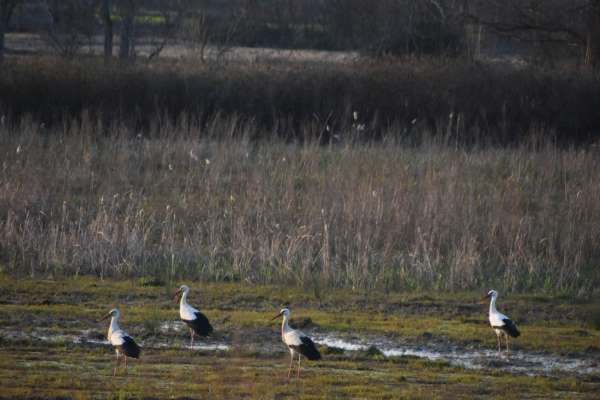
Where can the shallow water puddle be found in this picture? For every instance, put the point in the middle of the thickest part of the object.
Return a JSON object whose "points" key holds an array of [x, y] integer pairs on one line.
{"points": [[529, 363], [211, 347], [178, 327], [168, 326], [88, 336], [196, 346]]}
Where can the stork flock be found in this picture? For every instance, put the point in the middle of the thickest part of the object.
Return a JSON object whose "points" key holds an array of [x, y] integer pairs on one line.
{"points": [[297, 342]]}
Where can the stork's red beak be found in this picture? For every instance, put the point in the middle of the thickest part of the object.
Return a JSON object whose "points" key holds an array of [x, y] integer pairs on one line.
{"points": [[484, 298], [104, 317], [177, 295], [277, 316]]}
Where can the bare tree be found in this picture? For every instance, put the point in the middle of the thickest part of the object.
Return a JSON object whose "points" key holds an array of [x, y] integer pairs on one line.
{"points": [[196, 32], [72, 25], [108, 29], [592, 48], [6, 10], [172, 15], [201, 29], [228, 35], [128, 9], [395, 26], [546, 24]]}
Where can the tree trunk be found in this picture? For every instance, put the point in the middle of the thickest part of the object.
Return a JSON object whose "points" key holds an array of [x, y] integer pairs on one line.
{"points": [[2, 30], [592, 48], [108, 30], [6, 8], [126, 48]]}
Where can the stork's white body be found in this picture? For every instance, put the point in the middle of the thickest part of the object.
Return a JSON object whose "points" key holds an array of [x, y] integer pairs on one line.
{"points": [[194, 319], [496, 318], [500, 323], [116, 335], [291, 337], [297, 342], [186, 312], [123, 344]]}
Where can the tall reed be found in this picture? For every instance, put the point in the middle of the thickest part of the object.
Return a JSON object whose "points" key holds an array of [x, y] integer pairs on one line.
{"points": [[206, 202], [467, 102]]}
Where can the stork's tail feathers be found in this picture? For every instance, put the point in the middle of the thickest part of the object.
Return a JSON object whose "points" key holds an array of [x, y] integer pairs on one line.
{"points": [[130, 348], [313, 355], [309, 349], [510, 328], [200, 325]]}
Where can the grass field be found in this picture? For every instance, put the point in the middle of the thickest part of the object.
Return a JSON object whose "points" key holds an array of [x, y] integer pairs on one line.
{"points": [[50, 343]]}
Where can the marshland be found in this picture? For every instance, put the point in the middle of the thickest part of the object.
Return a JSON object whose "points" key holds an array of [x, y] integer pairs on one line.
{"points": [[53, 346], [378, 192]]}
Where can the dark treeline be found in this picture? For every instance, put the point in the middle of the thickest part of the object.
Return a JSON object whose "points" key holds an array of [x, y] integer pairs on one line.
{"points": [[545, 31], [463, 102], [426, 66]]}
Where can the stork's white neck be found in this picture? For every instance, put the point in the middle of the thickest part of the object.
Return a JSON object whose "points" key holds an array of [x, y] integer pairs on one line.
{"points": [[493, 305], [183, 302], [114, 326], [285, 327]]}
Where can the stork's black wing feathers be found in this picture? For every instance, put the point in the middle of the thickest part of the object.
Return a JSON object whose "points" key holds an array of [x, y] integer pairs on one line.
{"points": [[200, 325], [130, 347], [308, 349], [510, 328]]}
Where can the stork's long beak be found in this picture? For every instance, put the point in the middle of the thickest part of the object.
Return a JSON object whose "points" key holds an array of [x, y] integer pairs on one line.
{"points": [[104, 317], [277, 316], [177, 295], [484, 298]]}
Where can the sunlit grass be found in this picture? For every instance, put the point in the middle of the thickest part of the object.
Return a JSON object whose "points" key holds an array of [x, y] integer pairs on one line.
{"points": [[68, 306], [546, 324], [81, 372]]}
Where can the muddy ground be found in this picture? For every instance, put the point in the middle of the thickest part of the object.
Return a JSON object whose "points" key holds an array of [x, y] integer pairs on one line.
{"points": [[374, 345]]}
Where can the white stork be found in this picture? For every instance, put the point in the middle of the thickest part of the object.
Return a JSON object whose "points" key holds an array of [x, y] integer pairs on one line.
{"points": [[121, 341], [501, 324], [296, 341], [194, 319]]}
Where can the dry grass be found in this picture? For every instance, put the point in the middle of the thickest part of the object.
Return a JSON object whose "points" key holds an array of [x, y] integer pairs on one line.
{"points": [[205, 202]]}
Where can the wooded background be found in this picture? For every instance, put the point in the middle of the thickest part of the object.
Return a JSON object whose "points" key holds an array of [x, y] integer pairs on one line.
{"points": [[541, 30]]}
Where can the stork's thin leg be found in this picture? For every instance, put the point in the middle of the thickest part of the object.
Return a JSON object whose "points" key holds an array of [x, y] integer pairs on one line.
{"points": [[116, 365], [291, 364], [507, 340], [125, 364], [498, 338], [192, 338], [299, 358]]}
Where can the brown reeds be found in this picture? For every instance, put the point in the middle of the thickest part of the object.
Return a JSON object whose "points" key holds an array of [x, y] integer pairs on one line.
{"points": [[467, 102], [207, 202]]}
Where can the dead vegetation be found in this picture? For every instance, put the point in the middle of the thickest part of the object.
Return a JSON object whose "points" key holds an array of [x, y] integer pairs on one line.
{"points": [[204, 202]]}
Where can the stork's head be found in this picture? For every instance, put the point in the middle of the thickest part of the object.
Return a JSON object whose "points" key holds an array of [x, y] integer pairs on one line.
{"points": [[492, 294], [183, 289], [285, 312], [114, 313]]}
